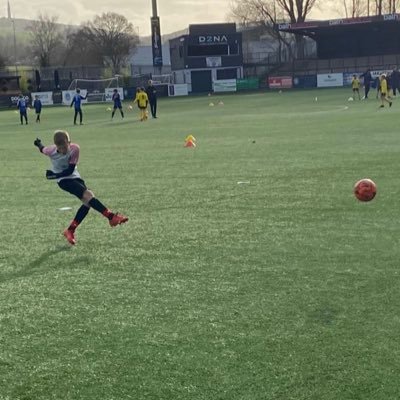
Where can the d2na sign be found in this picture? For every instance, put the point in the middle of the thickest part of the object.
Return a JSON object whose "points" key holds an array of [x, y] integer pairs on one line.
{"points": [[213, 39]]}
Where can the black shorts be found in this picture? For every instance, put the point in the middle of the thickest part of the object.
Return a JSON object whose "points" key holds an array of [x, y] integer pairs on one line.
{"points": [[74, 186]]}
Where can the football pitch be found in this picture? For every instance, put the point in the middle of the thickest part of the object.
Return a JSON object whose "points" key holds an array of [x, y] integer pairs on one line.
{"points": [[247, 270]]}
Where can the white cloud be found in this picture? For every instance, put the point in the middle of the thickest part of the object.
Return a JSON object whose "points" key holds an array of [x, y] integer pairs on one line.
{"points": [[174, 14]]}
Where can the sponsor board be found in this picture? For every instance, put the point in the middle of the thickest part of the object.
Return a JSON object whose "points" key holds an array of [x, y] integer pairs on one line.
{"points": [[305, 81], [280, 82], [46, 98], [225, 85], [14, 99], [348, 77], [330, 80], [178, 90], [68, 95], [377, 73]]}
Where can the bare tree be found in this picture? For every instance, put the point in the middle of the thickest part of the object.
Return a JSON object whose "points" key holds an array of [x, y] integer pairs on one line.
{"points": [[261, 14], [113, 37], [45, 38], [355, 8], [80, 51], [275, 10]]}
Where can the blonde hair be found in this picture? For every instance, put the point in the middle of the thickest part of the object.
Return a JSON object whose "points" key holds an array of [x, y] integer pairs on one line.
{"points": [[61, 137]]}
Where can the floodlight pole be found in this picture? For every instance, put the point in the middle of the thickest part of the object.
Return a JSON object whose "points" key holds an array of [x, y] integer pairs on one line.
{"points": [[154, 3], [15, 48]]}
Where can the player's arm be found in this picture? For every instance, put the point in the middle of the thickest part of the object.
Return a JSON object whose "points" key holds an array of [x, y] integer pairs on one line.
{"points": [[38, 144], [68, 171], [72, 102]]}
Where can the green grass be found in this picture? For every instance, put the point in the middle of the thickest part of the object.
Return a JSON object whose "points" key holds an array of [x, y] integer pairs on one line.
{"points": [[283, 288]]}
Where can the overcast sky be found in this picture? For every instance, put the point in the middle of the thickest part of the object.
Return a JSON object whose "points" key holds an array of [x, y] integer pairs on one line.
{"points": [[174, 14]]}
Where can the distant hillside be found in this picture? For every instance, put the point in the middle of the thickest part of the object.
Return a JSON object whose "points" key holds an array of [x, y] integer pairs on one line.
{"points": [[22, 25], [146, 40]]}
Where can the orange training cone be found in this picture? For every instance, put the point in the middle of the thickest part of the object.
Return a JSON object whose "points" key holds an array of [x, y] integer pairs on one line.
{"points": [[190, 143]]}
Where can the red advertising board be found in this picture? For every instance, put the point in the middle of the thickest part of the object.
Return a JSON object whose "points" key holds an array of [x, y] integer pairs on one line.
{"points": [[280, 82]]}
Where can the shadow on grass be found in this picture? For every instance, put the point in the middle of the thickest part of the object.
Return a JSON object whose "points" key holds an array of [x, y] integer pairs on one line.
{"points": [[34, 266]]}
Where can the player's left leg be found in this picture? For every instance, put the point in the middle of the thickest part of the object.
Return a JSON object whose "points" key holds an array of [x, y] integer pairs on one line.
{"points": [[122, 113], [154, 111], [114, 219], [75, 187]]}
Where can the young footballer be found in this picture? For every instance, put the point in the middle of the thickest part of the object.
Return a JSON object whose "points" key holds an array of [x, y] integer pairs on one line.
{"points": [[37, 105], [21, 105], [64, 157], [77, 100], [355, 84], [384, 91], [142, 101], [117, 103]]}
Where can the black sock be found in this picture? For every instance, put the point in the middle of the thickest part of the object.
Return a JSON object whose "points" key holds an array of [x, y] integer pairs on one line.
{"points": [[112, 115], [122, 114], [81, 213], [79, 217], [99, 206]]}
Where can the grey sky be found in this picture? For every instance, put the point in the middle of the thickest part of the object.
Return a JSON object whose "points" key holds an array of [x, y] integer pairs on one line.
{"points": [[175, 14]]}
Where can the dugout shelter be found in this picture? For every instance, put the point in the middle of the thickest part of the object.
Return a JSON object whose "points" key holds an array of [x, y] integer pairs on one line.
{"points": [[9, 89], [351, 37], [209, 53]]}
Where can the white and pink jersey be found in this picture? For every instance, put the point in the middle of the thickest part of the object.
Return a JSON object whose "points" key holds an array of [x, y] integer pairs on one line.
{"points": [[61, 162]]}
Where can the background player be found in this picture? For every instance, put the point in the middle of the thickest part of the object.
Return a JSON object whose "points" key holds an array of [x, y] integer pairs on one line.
{"points": [[77, 100], [355, 84], [117, 103], [21, 105], [37, 105], [142, 101], [384, 91], [367, 82], [64, 157]]}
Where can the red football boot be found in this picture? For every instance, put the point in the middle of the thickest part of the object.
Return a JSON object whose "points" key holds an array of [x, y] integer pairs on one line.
{"points": [[118, 219], [69, 235]]}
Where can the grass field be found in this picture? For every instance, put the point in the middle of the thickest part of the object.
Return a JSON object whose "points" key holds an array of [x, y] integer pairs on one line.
{"points": [[285, 287]]}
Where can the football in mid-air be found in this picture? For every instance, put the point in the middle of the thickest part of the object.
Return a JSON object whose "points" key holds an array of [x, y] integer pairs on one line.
{"points": [[365, 189]]}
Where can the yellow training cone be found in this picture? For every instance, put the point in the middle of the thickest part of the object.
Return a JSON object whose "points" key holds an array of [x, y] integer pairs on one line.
{"points": [[190, 137]]}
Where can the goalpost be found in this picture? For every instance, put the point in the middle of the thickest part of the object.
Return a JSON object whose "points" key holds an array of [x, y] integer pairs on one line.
{"points": [[98, 90]]}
